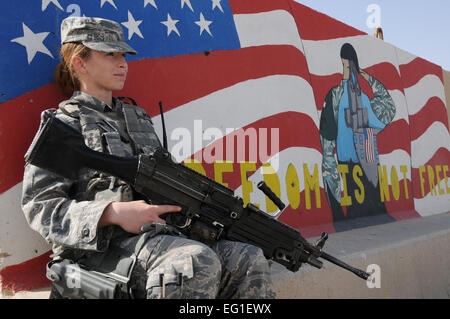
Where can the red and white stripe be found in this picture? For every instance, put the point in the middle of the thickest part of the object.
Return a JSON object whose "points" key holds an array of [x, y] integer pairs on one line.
{"points": [[430, 140], [370, 147]]}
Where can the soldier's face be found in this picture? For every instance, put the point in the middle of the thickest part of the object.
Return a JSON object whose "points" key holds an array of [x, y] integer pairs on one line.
{"points": [[346, 66], [105, 71]]}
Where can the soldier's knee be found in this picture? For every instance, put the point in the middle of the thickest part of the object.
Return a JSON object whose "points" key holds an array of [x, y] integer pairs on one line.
{"points": [[205, 262], [255, 252], [193, 272], [252, 254]]}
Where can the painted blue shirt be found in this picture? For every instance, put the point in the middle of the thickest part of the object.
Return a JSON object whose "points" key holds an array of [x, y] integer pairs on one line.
{"points": [[346, 151]]}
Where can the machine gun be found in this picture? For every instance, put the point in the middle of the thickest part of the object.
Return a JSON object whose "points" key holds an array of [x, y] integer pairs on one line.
{"points": [[210, 211]]}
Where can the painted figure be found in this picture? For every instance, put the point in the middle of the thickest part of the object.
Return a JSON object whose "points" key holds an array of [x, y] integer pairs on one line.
{"points": [[349, 125]]}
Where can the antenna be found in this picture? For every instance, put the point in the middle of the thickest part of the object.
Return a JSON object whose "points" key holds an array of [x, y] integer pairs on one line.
{"points": [[163, 125]]}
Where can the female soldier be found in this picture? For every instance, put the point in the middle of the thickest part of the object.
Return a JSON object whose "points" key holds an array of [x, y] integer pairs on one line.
{"points": [[349, 125], [96, 220]]}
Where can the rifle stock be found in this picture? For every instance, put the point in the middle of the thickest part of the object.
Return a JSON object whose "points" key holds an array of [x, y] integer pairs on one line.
{"points": [[210, 211]]}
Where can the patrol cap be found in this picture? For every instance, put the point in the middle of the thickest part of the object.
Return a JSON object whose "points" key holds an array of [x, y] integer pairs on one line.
{"points": [[96, 33]]}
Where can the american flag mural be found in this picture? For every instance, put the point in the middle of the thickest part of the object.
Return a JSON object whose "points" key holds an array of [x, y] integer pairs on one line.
{"points": [[238, 66], [370, 146]]}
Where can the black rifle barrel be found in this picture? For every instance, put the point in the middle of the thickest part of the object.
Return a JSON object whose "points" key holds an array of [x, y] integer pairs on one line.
{"points": [[340, 263]]}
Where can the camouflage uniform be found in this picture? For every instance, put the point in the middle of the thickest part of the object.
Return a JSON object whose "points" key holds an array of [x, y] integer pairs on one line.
{"points": [[382, 105], [384, 110], [66, 212]]}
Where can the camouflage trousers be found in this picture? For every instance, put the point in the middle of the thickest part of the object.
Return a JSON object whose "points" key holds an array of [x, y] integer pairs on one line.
{"points": [[175, 267]]}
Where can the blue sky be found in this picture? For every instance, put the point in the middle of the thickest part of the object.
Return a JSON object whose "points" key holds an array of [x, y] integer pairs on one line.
{"points": [[419, 27]]}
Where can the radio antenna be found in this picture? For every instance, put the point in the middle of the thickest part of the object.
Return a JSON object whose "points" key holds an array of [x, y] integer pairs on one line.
{"points": [[163, 125]]}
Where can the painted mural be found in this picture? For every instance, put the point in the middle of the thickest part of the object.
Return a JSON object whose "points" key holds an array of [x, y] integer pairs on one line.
{"points": [[348, 130], [349, 127]]}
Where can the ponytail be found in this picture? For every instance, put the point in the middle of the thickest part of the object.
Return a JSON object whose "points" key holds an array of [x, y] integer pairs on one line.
{"points": [[65, 77]]}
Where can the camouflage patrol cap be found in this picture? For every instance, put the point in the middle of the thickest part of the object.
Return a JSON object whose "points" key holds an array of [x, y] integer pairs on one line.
{"points": [[96, 33]]}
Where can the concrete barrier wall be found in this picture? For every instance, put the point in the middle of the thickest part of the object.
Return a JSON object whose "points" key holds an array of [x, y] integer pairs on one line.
{"points": [[408, 256], [264, 76]]}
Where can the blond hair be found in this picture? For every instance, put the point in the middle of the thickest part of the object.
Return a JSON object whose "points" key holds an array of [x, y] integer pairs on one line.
{"points": [[65, 76]]}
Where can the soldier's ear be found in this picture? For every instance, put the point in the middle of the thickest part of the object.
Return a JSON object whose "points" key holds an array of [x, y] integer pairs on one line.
{"points": [[79, 65]]}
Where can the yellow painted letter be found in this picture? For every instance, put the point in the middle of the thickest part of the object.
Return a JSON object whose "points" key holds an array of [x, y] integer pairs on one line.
{"points": [[311, 183], [431, 180], [439, 179], [394, 183], [446, 178], [404, 170], [359, 194], [422, 180], [247, 187], [345, 200], [221, 167], [292, 187], [195, 165], [384, 185]]}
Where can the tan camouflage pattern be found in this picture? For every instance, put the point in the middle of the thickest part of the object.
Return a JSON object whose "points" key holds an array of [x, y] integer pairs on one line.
{"points": [[66, 213], [96, 33], [384, 108]]}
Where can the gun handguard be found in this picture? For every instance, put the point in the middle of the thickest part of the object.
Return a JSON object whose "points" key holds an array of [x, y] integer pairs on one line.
{"points": [[210, 211]]}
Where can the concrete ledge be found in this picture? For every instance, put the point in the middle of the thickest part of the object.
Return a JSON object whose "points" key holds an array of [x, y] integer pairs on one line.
{"points": [[36, 294], [413, 255]]}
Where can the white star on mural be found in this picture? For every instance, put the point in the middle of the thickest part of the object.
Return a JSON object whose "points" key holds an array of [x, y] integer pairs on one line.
{"points": [[152, 2], [33, 42], [188, 2], [170, 24], [111, 2], [203, 24], [45, 4], [216, 3], [132, 26]]}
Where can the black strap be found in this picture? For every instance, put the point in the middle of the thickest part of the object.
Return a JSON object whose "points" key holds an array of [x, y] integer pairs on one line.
{"points": [[127, 99]]}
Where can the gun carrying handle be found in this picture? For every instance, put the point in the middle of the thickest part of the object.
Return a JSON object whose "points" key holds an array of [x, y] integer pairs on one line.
{"points": [[273, 197]]}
